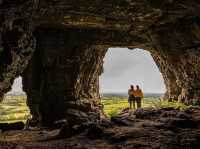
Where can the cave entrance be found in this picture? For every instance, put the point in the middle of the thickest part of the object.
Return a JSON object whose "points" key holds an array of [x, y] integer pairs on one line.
{"points": [[123, 67], [14, 108]]}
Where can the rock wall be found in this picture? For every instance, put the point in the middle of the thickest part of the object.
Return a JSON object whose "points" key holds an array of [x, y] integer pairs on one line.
{"points": [[176, 50], [61, 80], [16, 40]]}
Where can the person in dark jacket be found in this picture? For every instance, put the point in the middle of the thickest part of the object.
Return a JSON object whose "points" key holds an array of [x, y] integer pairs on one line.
{"points": [[131, 97]]}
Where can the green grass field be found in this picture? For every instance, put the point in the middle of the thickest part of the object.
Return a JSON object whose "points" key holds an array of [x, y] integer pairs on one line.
{"points": [[14, 108], [114, 105]]}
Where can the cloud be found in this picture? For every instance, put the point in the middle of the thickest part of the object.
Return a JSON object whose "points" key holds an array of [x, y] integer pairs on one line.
{"points": [[117, 62], [123, 67]]}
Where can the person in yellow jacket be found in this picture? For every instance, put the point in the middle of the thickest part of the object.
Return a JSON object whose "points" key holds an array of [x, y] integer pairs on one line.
{"points": [[138, 96]]}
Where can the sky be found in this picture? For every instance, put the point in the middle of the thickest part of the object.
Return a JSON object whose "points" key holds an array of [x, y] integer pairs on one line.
{"points": [[123, 67], [17, 86]]}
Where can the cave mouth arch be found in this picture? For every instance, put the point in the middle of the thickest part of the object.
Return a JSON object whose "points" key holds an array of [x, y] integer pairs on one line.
{"points": [[123, 67], [14, 107]]}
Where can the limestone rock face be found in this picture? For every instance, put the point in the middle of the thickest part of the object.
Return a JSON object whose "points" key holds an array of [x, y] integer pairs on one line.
{"points": [[70, 38], [62, 77], [177, 58], [16, 40]]}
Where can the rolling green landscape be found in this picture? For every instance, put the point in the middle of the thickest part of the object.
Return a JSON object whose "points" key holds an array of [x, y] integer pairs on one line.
{"points": [[13, 108], [114, 105]]}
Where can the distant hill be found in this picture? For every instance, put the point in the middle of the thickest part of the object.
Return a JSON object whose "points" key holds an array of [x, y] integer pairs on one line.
{"points": [[126, 95], [102, 94], [16, 94]]}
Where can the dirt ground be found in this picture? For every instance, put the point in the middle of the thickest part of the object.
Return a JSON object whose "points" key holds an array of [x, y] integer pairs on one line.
{"points": [[150, 128]]}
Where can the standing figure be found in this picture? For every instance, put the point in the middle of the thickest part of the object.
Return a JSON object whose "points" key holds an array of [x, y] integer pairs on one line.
{"points": [[131, 97], [138, 96]]}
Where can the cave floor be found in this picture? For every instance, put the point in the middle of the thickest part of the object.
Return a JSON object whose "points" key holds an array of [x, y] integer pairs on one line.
{"points": [[163, 128]]}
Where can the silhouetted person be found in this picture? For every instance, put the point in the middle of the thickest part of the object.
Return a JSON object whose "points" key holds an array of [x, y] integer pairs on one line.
{"points": [[131, 98], [138, 96]]}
